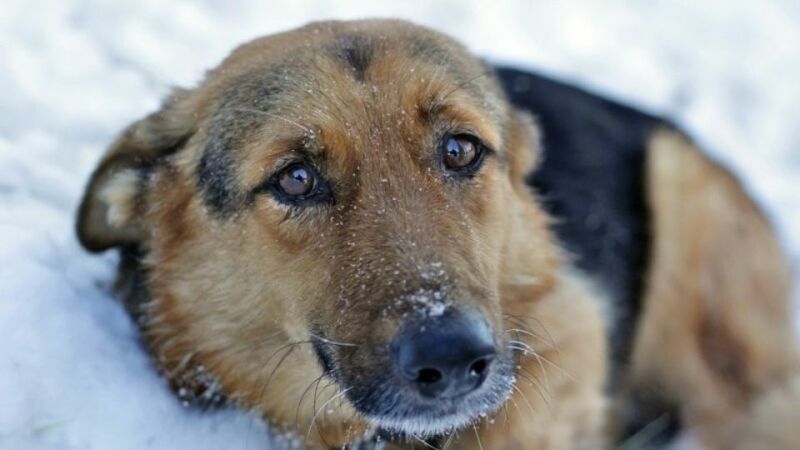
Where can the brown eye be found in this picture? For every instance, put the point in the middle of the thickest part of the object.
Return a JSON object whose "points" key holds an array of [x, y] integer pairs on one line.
{"points": [[298, 184], [296, 180], [462, 154], [459, 153]]}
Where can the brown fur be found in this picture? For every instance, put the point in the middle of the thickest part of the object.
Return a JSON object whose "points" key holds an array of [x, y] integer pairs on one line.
{"points": [[238, 281], [716, 332]]}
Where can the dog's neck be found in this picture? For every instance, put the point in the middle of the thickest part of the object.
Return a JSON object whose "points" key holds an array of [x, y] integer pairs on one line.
{"points": [[193, 384]]}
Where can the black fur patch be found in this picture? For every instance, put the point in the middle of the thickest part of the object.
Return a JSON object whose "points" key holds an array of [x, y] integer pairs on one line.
{"points": [[323, 354], [216, 174], [194, 385], [356, 52], [247, 105], [592, 181]]}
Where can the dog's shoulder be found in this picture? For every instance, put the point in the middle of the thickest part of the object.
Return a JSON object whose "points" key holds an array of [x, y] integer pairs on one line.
{"points": [[591, 180]]}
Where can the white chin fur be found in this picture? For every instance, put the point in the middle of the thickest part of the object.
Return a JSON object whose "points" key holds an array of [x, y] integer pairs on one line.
{"points": [[424, 427], [428, 426], [475, 409]]}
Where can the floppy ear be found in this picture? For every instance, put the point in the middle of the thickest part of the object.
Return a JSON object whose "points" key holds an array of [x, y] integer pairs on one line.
{"points": [[111, 206], [524, 147]]}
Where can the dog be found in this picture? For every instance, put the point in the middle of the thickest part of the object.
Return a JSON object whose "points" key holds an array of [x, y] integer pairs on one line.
{"points": [[367, 235]]}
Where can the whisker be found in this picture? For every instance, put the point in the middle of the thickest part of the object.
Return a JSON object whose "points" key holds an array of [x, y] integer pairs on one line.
{"points": [[291, 347], [523, 344], [321, 409], [526, 332], [264, 340], [516, 405], [527, 352], [449, 440], [314, 405], [318, 391], [424, 442], [275, 369], [544, 372], [538, 361], [300, 402], [328, 341], [538, 388], [477, 436], [524, 397], [539, 322]]}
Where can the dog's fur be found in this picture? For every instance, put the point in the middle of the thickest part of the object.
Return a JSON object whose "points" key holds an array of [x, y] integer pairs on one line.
{"points": [[287, 309]]}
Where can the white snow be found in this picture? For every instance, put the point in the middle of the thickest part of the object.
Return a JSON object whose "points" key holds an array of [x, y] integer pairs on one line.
{"points": [[74, 72]]}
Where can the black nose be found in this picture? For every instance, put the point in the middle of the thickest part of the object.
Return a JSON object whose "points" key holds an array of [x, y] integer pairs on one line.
{"points": [[445, 356]]}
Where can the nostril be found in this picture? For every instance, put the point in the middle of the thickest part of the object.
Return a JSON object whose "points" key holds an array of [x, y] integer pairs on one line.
{"points": [[478, 368], [428, 376]]}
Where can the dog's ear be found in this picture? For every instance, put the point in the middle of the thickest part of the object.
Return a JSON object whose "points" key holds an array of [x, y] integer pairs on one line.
{"points": [[524, 148], [111, 206]]}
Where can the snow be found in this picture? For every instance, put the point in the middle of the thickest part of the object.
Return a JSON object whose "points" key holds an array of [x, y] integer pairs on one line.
{"points": [[74, 72]]}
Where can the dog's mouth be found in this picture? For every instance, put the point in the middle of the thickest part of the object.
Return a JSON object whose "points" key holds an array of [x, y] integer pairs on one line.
{"points": [[400, 414], [391, 404]]}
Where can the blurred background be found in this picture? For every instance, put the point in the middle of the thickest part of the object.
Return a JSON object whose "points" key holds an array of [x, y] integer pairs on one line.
{"points": [[73, 73]]}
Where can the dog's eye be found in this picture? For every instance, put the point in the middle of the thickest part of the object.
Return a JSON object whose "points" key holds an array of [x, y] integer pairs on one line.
{"points": [[298, 184], [461, 154], [296, 180]]}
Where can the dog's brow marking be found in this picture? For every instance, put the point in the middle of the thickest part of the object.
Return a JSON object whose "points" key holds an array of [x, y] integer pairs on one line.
{"points": [[215, 174], [464, 84], [356, 52], [275, 116]]}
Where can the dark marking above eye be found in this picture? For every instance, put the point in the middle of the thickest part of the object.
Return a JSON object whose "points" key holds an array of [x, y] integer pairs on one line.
{"points": [[431, 51], [215, 175], [356, 53], [244, 106]]}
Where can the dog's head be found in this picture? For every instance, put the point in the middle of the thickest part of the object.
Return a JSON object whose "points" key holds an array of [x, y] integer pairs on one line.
{"points": [[342, 202]]}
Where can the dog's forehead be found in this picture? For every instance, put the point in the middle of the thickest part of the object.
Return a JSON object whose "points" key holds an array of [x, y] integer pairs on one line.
{"points": [[357, 45], [334, 68], [355, 83]]}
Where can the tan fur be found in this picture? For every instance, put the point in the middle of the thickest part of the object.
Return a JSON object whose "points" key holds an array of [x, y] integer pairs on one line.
{"points": [[238, 296], [716, 330], [770, 421], [119, 193]]}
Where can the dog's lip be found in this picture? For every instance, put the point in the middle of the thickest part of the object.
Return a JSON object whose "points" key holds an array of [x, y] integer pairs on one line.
{"points": [[435, 423], [426, 418]]}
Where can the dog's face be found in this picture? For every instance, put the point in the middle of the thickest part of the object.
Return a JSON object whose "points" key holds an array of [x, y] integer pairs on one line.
{"points": [[344, 202]]}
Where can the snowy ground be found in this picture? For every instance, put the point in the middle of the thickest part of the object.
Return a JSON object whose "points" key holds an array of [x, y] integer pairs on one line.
{"points": [[74, 72]]}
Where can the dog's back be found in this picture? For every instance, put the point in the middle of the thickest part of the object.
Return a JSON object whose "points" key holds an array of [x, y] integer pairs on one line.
{"points": [[639, 207]]}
